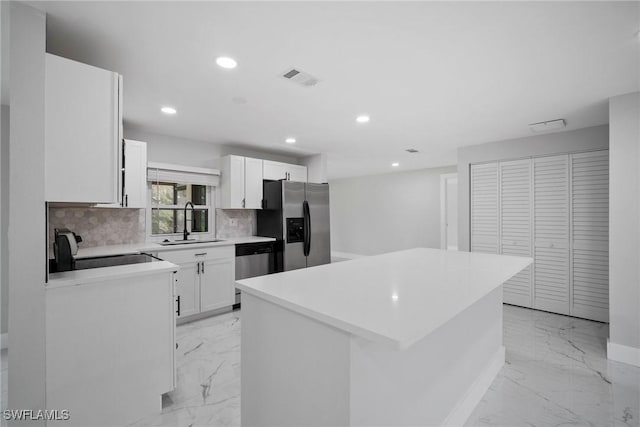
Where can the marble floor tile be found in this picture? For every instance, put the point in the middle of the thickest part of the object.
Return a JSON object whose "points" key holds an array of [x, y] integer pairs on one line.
{"points": [[208, 376], [557, 374]]}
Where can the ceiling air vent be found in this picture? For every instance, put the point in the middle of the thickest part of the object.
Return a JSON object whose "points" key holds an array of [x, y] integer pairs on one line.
{"points": [[411, 150], [300, 77]]}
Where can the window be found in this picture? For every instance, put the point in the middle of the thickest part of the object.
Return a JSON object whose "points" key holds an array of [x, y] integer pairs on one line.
{"points": [[167, 208]]}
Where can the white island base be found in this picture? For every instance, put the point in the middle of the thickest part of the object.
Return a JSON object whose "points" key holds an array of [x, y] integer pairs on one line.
{"points": [[406, 338], [298, 371]]}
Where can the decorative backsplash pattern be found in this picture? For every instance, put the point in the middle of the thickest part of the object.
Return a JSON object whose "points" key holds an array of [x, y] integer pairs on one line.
{"points": [[235, 223], [99, 226]]}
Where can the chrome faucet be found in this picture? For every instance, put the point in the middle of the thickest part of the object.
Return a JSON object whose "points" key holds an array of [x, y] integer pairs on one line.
{"points": [[185, 233]]}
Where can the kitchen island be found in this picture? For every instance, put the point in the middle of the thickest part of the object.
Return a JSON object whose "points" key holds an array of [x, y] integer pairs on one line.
{"points": [[405, 338]]}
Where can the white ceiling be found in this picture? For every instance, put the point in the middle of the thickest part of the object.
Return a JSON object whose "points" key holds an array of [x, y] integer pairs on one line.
{"points": [[432, 76]]}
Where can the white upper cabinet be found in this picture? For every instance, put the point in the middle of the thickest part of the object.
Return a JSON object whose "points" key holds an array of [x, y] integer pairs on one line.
{"points": [[83, 132], [283, 171], [297, 173], [134, 189], [274, 170], [240, 183], [252, 183]]}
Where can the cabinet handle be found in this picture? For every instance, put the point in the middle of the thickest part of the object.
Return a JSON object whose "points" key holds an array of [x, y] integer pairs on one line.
{"points": [[126, 200], [201, 254], [202, 267], [243, 203], [178, 310], [198, 268]]}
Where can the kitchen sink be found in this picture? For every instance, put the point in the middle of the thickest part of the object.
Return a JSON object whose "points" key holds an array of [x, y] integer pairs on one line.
{"points": [[189, 242]]}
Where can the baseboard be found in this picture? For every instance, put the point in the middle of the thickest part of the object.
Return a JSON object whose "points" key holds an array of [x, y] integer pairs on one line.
{"points": [[345, 255], [459, 415], [623, 353], [4, 341]]}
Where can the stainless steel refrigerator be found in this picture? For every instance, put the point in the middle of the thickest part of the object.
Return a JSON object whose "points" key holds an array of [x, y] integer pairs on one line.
{"points": [[298, 214]]}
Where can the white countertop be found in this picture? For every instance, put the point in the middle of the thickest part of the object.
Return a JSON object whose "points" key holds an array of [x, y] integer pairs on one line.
{"points": [[155, 247], [397, 298], [92, 275]]}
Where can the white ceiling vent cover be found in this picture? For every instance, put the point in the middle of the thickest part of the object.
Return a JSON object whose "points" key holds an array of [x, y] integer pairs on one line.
{"points": [[547, 126], [300, 77]]}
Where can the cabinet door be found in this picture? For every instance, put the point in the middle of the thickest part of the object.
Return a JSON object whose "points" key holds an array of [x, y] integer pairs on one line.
{"points": [[297, 173], [252, 183], [515, 226], [236, 182], [484, 208], [217, 284], [135, 174], [188, 288], [82, 138], [551, 233], [187, 280], [590, 235], [274, 170]]}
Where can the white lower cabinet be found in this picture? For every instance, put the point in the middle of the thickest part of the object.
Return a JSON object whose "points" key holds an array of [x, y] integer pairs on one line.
{"points": [[110, 347], [205, 280], [217, 283]]}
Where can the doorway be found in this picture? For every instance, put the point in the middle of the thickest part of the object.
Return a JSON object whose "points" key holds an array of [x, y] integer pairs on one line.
{"points": [[449, 211]]}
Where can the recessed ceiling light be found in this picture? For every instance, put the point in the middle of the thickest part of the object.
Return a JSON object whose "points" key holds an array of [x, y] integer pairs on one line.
{"points": [[290, 140], [395, 165], [168, 110], [394, 297], [226, 62], [363, 119]]}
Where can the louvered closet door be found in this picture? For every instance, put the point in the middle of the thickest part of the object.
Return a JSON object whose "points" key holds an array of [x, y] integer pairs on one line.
{"points": [[590, 234], [484, 208], [551, 234], [515, 225]]}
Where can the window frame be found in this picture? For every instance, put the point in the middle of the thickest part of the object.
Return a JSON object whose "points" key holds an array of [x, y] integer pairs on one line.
{"points": [[210, 207]]}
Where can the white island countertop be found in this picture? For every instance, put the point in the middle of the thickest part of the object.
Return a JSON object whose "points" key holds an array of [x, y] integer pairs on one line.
{"points": [[397, 298]]}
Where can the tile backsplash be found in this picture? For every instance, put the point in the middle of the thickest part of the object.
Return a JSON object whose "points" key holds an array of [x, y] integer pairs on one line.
{"points": [[99, 226], [235, 223]]}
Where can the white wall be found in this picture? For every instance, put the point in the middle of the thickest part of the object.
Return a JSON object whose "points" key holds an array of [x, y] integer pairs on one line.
{"points": [[624, 225], [4, 219], [383, 213], [181, 151], [4, 168], [316, 168], [27, 235], [587, 139]]}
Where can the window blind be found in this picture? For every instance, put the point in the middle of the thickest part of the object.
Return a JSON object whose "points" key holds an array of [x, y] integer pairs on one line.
{"points": [[165, 172]]}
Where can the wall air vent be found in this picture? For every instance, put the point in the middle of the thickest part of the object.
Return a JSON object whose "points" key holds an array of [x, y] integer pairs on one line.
{"points": [[300, 77], [411, 150]]}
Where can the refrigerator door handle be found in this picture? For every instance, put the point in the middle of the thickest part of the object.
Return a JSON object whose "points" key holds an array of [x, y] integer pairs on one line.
{"points": [[307, 228]]}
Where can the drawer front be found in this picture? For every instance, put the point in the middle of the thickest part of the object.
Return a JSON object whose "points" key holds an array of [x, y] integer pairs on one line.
{"points": [[202, 253]]}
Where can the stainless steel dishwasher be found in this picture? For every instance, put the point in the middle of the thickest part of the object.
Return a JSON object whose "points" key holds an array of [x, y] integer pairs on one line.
{"points": [[255, 259]]}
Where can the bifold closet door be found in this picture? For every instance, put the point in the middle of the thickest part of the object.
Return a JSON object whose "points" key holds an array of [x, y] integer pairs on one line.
{"points": [[484, 208], [590, 234], [515, 226], [551, 234]]}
